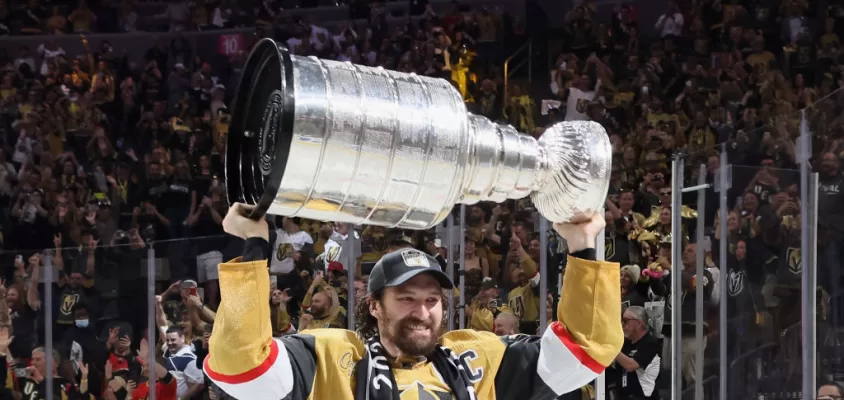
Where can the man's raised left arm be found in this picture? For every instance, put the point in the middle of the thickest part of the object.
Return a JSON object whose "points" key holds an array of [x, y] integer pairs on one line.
{"points": [[574, 350]]}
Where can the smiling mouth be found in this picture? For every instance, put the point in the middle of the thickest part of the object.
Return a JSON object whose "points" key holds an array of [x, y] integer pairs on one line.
{"points": [[417, 328]]}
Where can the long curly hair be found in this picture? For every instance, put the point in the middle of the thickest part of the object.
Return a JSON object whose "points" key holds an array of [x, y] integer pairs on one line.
{"points": [[366, 325]]}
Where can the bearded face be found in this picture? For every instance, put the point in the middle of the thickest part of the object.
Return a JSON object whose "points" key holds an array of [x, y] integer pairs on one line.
{"points": [[410, 316]]}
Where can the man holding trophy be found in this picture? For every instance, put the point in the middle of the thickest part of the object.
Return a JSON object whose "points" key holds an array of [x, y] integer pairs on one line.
{"points": [[414, 151]]}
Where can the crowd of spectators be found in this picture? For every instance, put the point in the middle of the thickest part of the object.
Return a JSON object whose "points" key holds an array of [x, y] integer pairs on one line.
{"points": [[105, 159], [36, 17], [58, 17]]}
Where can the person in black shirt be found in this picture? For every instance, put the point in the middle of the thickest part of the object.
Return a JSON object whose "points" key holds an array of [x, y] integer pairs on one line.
{"points": [[33, 385], [81, 346], [22, 313], [147, 217], [203, 180], [176, 200], [150, 223], [32, 18], [623, 24], [30, 219], [629, 292], [72, 289], [617, 246], [206, 223], [801, 58], [690, 286], [638, 363]]}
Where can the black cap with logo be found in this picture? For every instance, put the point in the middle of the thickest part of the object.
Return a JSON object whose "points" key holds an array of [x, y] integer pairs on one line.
{"points": [[403, 265], [398, 238]]}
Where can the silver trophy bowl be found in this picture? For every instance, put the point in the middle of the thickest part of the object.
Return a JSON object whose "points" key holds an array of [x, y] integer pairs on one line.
{"points": [[335, 141]]}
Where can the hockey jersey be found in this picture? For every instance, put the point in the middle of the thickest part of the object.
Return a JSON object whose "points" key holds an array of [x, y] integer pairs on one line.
{"points": [[248, 363]]}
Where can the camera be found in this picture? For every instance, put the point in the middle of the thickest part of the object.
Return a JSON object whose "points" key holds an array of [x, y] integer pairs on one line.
{"points": [[121, 237], [148, 232]]}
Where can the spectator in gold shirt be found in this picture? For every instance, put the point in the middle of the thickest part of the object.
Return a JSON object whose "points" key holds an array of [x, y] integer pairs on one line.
{"points": [[82, 18], [485, 306], [321, 306], [524, 276]]}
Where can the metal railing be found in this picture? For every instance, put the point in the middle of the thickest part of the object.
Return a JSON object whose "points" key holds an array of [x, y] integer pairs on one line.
{"points": [[526, 48], [754, 375]]}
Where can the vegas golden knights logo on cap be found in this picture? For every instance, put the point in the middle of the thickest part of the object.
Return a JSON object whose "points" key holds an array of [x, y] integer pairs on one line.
{"points": [[415, 258]]}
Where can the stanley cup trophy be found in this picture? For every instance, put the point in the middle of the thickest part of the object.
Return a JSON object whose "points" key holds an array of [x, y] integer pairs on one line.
{"points": [[335, 141]]}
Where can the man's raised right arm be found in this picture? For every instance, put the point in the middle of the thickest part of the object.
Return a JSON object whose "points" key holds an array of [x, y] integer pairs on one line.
{"points": [[244, 360]]}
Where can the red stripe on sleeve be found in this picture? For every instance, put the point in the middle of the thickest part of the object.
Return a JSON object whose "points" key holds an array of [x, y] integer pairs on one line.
{"points": [[575, 349], [248, 375]]}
